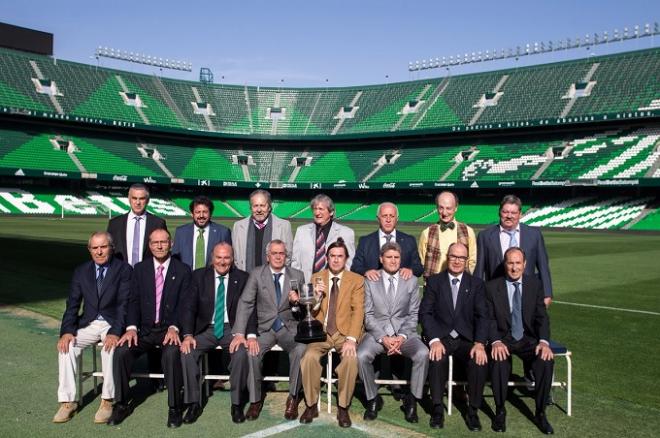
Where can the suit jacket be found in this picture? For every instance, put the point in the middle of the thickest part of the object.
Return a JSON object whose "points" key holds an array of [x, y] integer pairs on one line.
{"points": [[259, 292], [536, 323], [142, 305], [183, 241], [111, 304], [380, 311], [304, 245], [117, 228], [281, 231], [198, 305], [490, 263], [349, 309], [437, 313], [367, 255]]}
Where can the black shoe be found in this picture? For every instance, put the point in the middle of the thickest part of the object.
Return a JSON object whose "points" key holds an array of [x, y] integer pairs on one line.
{"points": [[472, 420], [193, 413], [542, 423], [174, 418], [159, 385], [437, 420], [410, 409], [499, 422], [119, 413], [371, 413], [237, 415]]}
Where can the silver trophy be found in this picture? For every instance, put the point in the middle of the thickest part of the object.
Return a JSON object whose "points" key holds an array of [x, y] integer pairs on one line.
{"points": [[309, 329]]}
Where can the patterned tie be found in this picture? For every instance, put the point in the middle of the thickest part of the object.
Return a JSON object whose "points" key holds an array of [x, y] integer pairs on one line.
{"points": [[277, 325], [99, 279], [512, 238], [388, 239], [135, 252], [219, 319], [200, 253], [391, 290], [319, 256], [160, 281], [516, 313], [331, 327], [259, 225], [454, 298], [445, 226]]}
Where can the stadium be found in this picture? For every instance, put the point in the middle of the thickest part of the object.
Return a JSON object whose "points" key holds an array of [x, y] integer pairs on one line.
{"points": [[578, 140]]}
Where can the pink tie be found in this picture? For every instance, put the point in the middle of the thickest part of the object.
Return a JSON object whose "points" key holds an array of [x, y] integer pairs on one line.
{"points": [[160, 281]]}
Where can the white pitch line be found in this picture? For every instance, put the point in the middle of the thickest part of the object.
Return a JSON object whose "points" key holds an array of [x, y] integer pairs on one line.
{"points": [[273, 430], [619, 309]]}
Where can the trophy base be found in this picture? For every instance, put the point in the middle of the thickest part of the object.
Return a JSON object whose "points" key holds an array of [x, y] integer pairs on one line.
{"points": [[310, 331]]}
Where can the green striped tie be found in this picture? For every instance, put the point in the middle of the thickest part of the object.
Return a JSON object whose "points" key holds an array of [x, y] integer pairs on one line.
{"points": [[219, 320], [200, 254]]}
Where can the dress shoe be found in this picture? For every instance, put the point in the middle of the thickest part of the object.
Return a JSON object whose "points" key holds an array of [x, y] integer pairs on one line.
{"points": [[410, 409], [311, 412], [291, 410], [159, 385], [174, 418], [472, 420], [499, 422], [104, 412], [343, 419], [237, 415], [437, 420], [219, 385], [542, 423], [193, 413], [254, 410], [119, 413], [66, 411], [371, 413]]}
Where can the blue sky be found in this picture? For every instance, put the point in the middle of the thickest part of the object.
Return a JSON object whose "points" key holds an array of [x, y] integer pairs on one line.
{"points": [[305, 43]]}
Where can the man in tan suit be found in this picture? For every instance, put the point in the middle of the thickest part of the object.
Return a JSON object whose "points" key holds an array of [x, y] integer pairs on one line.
{"points": [[342, 314]]}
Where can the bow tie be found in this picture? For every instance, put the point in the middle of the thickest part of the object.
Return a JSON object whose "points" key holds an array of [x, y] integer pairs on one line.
{"points": [[444, 226]]}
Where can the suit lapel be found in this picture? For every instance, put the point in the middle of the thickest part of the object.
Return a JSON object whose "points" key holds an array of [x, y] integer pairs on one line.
{"points": [[445, 289], [463, 293], [209, 292], [502, 298], [496, 244], [269, 281], [122, 236], [110, 273], [148, 223]]}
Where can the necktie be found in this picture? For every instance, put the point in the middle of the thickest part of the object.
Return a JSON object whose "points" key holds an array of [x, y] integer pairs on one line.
{"points": [[516, 313], [512, 238], [219, 319], [391, 290], [331, 327], [160, 281], [448, 225], [99, 280], [200, 253], [259, 225], [319, 255], [277, 325], [135, 252], [454, 298]]}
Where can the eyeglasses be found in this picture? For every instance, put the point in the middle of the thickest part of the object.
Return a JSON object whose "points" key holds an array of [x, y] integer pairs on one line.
{"points": [[454, 258]]}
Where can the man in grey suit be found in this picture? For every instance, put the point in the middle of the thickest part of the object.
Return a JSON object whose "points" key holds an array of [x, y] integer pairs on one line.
{"points": [[268, 289], [311, 241], [391, 307], [495, 240], [252, 234]]}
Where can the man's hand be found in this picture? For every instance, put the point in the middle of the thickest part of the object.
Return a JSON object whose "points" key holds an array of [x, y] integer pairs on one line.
{"points": [[547, 301], [499, 351], [253, 346], [395, 348], [171, 337], [236, 342], [544, 350], [111, 342], [130, 336], [319, 290], [293, 297], [405, 273], [64, 342], [436, 350], [478, 354], [189, 343], [348, 348], [372, 274]]}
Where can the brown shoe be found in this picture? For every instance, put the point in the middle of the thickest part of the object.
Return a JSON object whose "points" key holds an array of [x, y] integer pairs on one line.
{"points": [[343, 419], [291, 410], [66, 411], [104, 412], [311, 412], [254, 410]]}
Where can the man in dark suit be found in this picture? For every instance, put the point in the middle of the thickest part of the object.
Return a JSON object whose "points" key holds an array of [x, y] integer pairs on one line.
{"points": [[267, 290], [130, 231], [493, 241], [153, 322], [519, 325], [194, 242], [103, 284], [454, 320], [367, 256], [208, 312]]}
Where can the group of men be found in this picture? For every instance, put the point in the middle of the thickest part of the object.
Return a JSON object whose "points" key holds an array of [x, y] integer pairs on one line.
{"points": [[240, 290]]}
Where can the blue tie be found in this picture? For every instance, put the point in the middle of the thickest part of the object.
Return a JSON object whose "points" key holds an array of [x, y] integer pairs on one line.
{"points": [[516, 313], [512, 238], [99, 280], [135, 252], [277, 325]]}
